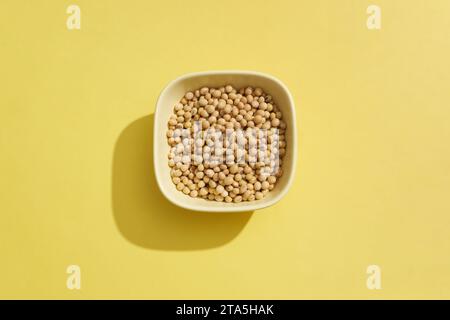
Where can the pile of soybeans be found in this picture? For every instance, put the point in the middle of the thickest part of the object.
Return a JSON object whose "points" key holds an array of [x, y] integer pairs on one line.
{"points": [[245, 174]]}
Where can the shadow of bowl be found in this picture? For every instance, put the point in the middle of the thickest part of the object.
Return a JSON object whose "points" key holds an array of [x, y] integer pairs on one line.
{"points": [[144, 216]]}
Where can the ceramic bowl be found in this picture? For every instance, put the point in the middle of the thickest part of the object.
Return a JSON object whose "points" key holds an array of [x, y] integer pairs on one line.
{"points": [[176, 89]]}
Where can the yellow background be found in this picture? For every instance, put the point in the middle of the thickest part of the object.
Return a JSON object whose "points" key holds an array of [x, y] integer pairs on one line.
{"points": [[373, 175]]}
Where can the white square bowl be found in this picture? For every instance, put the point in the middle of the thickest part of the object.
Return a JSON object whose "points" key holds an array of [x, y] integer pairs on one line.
{"points": [[176, 89]]}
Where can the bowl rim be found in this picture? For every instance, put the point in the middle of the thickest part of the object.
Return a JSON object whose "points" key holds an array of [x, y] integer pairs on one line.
{"points": [[206, 208]]}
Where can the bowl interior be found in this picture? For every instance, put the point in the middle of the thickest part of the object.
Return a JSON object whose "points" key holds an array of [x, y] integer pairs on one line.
{"points": [[176, 90]]}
